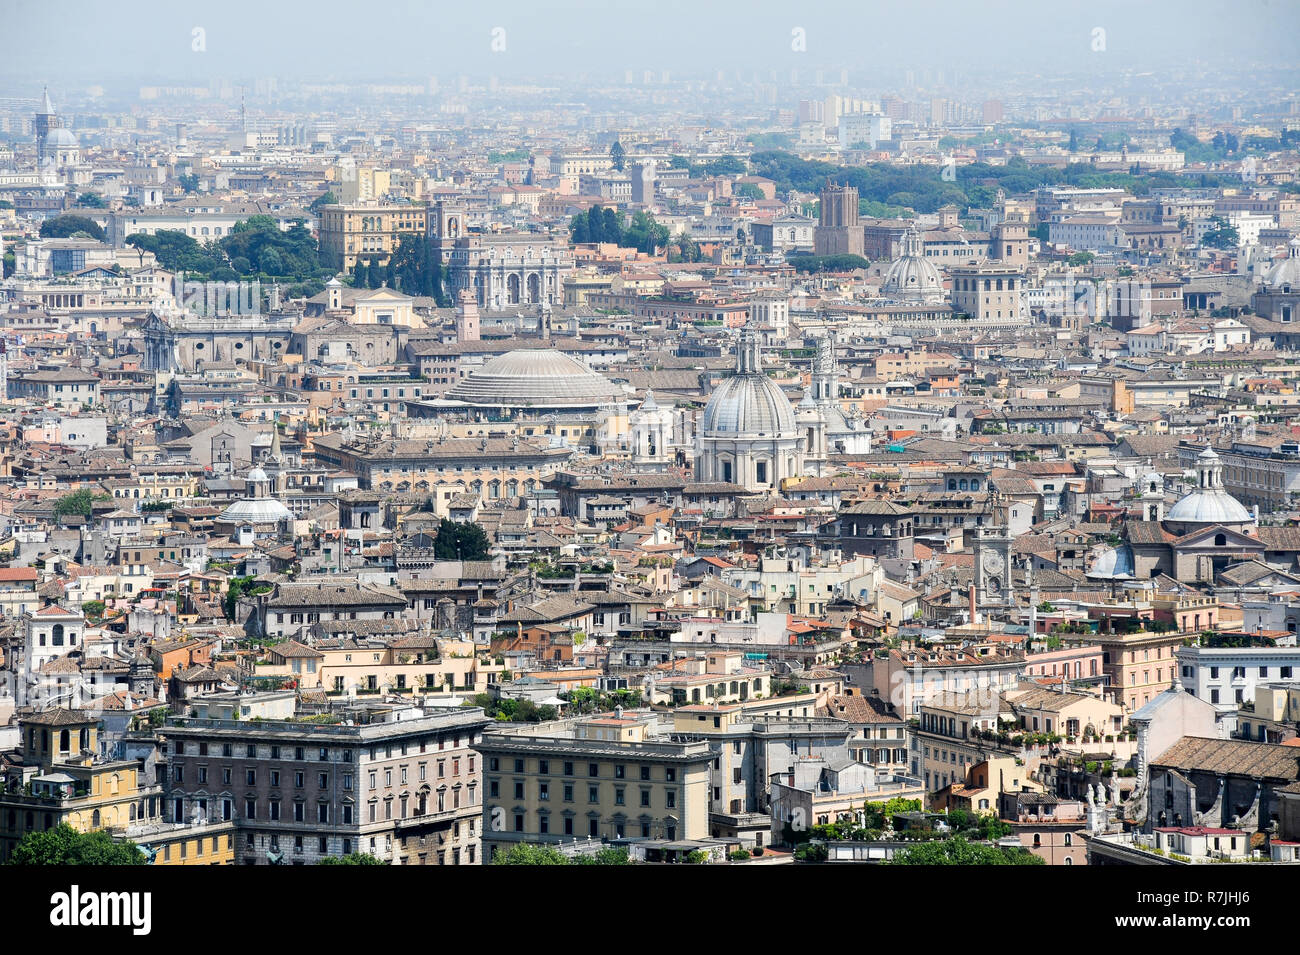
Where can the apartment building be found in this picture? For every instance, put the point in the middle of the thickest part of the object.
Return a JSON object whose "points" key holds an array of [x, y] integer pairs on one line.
{"points": [[1138, 666], [1273, 716], [367, 230], [614, 776], [398, 782], [1227, 676], [62, 778]]}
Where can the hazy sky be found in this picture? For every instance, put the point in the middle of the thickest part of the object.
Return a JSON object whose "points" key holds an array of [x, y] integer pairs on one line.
{"points": [[85, 41]]}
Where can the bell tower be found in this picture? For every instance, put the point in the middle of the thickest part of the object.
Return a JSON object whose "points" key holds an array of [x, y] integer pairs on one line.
{"points": [[446, 225], [46, 121], [993, 566]]}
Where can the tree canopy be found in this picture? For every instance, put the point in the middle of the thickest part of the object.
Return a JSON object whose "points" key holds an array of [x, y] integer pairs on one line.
{"points": [[326, 198], [255, 248], [78, 502], [456, 541], [601, 224], [959, 851], [1222, 236], [619, 155], [413, 268], [528, 854], [66, 226], [827, 263], [352, 858], [64, 845]]}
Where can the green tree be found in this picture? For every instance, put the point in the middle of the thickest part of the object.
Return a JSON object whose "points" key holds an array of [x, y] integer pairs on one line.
{"points": [[78, 502], [455, 541], [1074, 141], [683, 248], [189, 182], [619, 155], [237, 587], [178, 252], [959, 851], [93, 609], [352, 858], [527, 854], [645, 234], [609, 855], [64, 845], [1081, 258], [414, 267], [255, 238], [91, 200], [1222, 236], [827, 263], [66, 226], [326, 198]]}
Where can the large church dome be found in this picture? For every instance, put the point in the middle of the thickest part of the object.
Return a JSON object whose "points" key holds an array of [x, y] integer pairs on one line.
{"points": [[535, 378], [748, 434], [913, 277], [748, 404], [61, 138], [1209, 503]]}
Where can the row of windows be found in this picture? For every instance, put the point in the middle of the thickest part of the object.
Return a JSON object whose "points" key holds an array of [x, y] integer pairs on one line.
{"points": [[422, 772], [543, 768], [1239, 673], [252, 751], [618, 827], [593, 793], [250, 777]]}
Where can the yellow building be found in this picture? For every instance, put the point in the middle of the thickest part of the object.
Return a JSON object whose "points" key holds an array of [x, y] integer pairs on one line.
{"points": [[492, 467], [366, 230], [346, 666], [60, 781], [182, 844]]}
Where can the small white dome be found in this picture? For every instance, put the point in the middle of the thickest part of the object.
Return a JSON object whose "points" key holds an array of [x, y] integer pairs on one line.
{"points": [[1209, 506], [1287, 272], [61, 138], [257, 474], [263, 510]]}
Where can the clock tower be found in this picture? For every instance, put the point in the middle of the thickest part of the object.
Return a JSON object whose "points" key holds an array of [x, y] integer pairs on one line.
{"points": [[993, 566]]}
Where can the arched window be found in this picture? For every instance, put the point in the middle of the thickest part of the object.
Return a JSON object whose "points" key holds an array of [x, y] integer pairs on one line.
{"points": [[1220, 540], [65, 741], [58, 635]]}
